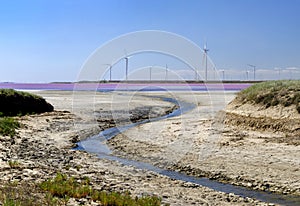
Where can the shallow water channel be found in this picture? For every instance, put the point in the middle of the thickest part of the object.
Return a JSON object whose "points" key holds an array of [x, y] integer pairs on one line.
{"points": [[96, 144]]}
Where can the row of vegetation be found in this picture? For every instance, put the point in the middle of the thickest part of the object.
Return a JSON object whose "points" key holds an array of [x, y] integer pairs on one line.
{"points": [[59, 190], [272, 93]]}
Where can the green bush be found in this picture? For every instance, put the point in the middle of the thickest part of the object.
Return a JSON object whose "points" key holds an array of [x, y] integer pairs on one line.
{"points": [[8, 126], [13, 103], [272, 93], [62, 186]]}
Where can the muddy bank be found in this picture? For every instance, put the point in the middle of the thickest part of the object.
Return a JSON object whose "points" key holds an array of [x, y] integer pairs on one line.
{"points": [[284, 122], [202, 143], [108, 119]]}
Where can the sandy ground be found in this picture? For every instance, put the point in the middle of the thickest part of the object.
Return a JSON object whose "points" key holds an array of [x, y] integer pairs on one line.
{"points": [[199, 143], [43, 147]]}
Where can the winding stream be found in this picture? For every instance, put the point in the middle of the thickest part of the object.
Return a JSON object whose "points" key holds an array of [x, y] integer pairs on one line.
{"points": [[96, 144]]}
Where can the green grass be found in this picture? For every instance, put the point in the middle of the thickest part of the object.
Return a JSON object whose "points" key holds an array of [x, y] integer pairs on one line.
{"points": [[58, 191], [65, 187], [8, 126], [10, 202], [62, 186], [272, 93]]}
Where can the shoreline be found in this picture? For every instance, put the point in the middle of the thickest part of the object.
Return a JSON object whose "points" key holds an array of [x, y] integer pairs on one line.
{"points": [[43, 145]]}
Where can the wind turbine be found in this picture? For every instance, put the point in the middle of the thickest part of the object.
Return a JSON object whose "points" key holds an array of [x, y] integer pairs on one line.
{"points": [[223, 74], [150, 73], [291, 71], [247, 75], [110, 66], [126, 68], [166, 78], [253, 66], [126, 64], [205, 56], [279, 70]]}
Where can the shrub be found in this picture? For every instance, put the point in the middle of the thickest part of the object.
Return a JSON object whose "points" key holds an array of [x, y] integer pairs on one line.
{"points": [[14, 103], [62, 186]]}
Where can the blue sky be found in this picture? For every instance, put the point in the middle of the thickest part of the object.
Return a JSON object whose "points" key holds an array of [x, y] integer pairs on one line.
{"points": [[49, 40]]}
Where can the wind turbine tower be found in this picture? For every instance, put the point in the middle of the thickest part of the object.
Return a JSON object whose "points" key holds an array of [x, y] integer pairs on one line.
{"points": [[166, 78], [223, 74], [150, 73], [254, 68], [110, 67], [110, 73], [126, 69], [247, 75], [205, 56]]}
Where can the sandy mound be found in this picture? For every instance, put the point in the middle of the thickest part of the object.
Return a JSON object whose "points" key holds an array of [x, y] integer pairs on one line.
{"points": [[261, 116]]}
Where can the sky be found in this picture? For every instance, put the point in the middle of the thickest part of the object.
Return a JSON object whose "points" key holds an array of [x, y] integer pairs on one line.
{"points": [[50, 40]]}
